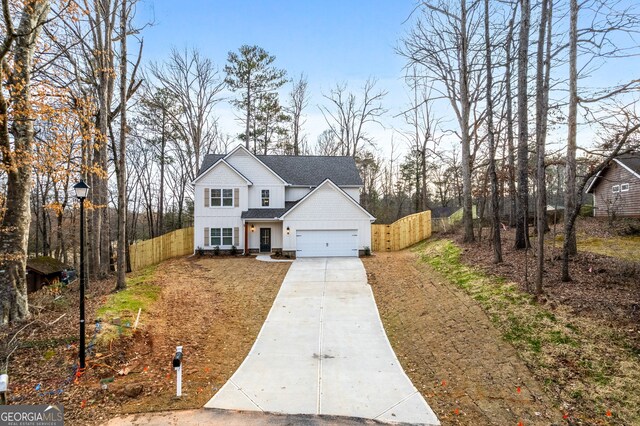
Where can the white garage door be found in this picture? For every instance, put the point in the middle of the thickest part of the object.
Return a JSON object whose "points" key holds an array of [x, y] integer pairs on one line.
{"points": [[327, 243]]}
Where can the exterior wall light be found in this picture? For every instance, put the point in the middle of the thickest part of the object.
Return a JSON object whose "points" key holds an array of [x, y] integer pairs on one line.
{"points": [[253, 227], [288, 230]]}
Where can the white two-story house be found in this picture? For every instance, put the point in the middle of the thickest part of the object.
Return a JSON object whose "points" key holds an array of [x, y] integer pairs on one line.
{"points": [[304, 206]]}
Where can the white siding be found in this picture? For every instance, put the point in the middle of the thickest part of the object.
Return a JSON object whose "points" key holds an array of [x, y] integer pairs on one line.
{"points": [[353, 193], [262, 178], [221, 176], [276, 196], [276, 234], [327, 209], [296, 193], [253, 169], [199, 223]]}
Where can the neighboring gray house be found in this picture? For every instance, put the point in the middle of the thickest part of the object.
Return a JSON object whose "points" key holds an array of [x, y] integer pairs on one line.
{"points": [[616, 189], [304, 206]]}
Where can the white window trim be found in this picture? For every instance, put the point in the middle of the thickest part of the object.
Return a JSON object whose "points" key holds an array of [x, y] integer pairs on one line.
{"points": [[615, 189], [222, 197], [222, 237], [624, 187], [268, 198]]}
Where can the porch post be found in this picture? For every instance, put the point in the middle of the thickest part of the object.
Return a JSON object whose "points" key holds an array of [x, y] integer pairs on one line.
{"points": [[246, 239]]}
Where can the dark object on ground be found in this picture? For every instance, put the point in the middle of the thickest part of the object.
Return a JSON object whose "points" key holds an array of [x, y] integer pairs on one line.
{"points": [[43, 270]]}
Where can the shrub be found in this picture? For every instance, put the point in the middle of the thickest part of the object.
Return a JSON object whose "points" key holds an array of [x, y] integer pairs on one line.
{"points": [[233, 251], [367, 251], [216, 251], [200, 251]]}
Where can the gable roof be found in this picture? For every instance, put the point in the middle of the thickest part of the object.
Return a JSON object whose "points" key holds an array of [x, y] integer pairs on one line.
{"points": [[307, 170], [220, 160], [630, 162], [328, 182]]}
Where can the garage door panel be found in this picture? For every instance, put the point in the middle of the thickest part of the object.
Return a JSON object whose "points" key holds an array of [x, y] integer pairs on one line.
{"points": [[327, 243]]}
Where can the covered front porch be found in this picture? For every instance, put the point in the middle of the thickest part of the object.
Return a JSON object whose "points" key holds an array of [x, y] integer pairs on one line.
{"points": [[263, 236]]}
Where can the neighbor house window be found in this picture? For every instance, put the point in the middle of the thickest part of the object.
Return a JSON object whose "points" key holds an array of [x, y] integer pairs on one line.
{"points": [[616, 188], [265, 198], [222, 197], [221, 236], [624, 187]]}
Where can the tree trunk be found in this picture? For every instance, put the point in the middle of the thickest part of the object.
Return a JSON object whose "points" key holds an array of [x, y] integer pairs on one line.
{"points": [[14, 229], [542, 106], [522, 224], [493, 177], [570, 196], [121, 283], [509, 113], [465, 106], [163, 145]]}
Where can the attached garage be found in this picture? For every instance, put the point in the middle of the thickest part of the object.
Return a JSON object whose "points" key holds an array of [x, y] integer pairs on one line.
{"points": [[327, 243]]}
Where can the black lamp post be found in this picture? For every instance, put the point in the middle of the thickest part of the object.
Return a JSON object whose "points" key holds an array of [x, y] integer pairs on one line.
{"points": [[81, 189]]}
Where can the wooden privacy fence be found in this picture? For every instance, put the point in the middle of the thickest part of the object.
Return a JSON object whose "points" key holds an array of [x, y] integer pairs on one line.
{"points": [[401, 233], [155, 250]]}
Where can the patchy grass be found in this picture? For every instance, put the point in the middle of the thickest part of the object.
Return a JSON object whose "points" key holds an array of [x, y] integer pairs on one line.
{"points": [[141, 292], [627, 248], [587, 364]]}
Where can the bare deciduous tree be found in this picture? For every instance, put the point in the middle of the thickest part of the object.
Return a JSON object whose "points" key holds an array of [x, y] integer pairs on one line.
{"points": [[195, 84], [348, 116]]}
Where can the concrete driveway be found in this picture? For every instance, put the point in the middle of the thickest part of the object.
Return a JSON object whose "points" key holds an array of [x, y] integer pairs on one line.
{"points": [[323, 350]]}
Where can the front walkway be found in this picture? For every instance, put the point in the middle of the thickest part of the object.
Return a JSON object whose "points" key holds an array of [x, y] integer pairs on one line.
{"points": [[323, 350]]}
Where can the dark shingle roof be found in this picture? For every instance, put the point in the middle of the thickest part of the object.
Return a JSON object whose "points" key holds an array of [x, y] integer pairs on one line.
{"points": [[267, 213], [45, 265], [631, 160], [209, 160], [304, 170]]}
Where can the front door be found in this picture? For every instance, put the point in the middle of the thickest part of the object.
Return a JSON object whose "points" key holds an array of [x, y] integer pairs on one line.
{"points": [[265, 239]]}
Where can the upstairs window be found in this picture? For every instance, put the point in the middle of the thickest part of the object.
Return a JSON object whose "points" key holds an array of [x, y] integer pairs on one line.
{"points": [[615, 189], [222, 197], [227, 197], [624, 187], [216, 197], [265, 198]]}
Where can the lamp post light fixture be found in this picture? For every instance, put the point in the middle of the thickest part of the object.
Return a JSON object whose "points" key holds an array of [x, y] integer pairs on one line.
{"points": [[81, 189]]}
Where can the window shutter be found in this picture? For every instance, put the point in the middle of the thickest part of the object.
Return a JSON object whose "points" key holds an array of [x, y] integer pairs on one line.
{"points": [[236, 197], [207, 198], [207, 235], [236, 236]]}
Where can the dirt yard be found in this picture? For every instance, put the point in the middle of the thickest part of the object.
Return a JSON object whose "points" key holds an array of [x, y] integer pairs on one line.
{"points": [[214, 307], [450, 349]]}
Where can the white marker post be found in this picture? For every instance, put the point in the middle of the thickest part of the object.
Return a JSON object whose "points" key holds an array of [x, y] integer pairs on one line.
{"points": [[177, 365], [4, 387]]}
